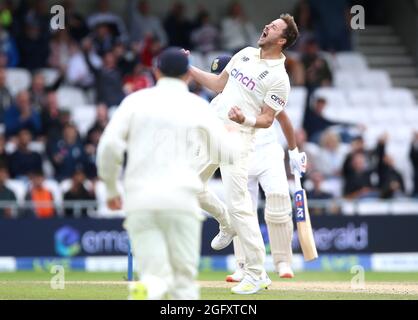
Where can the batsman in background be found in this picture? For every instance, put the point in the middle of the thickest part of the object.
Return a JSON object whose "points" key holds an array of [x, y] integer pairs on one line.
{"points": [[159, 129], [255, 80], [267, 169]]}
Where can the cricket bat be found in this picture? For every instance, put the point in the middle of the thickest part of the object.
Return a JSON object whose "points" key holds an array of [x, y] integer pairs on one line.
{"points": [[303, 222]]}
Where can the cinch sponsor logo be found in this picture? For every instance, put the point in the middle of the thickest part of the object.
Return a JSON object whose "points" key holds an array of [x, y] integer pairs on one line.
{"points": [[300, 207], [246, 81], [278, 100]]}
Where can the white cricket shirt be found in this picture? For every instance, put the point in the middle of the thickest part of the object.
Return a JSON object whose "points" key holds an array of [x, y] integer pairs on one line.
{"points": [[252, 82], [160, 128]]}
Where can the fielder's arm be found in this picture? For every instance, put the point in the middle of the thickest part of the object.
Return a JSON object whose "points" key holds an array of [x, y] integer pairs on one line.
{"points": [[111, 149]]}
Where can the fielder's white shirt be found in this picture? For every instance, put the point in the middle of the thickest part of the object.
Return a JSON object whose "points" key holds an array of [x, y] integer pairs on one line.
{"points": [[252, 82], [160, 128]]}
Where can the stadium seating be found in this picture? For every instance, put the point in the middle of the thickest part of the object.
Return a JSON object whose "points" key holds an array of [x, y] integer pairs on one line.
{"points": [[51, 75], [68, 97], [17, 79], [84, 117], [350, 61]]}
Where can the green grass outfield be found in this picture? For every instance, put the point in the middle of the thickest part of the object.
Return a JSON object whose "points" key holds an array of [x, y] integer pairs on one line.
{"points": [[306, 285]]}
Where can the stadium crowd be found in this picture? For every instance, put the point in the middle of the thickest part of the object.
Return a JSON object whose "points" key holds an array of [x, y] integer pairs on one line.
{"points": [[109, 57]]}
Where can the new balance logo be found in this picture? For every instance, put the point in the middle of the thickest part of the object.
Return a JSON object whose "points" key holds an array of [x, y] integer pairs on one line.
{"points": [[249, 83]]}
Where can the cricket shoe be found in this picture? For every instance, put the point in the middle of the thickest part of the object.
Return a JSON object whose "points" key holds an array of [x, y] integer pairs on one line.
{"points": [[248, 285], [237, 276], [222, 240], [137, 291], [285, 271]]}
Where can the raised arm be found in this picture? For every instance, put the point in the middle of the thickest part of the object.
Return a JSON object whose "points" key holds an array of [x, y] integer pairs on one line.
{"points": [[209, 80], [214, 82]]}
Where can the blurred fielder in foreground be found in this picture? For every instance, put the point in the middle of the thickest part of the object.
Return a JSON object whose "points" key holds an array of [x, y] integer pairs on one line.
{"points": [[255, 88], [160, 128], [267, 169]]}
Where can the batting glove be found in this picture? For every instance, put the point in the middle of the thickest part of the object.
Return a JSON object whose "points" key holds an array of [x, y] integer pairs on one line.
{"points": [[297, 161]]}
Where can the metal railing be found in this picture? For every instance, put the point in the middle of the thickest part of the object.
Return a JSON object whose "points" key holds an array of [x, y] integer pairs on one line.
{"points": [[94, 209]]}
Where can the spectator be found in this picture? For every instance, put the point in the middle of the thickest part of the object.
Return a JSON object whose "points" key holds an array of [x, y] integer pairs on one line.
{"points": [[103, 39], [295, 70], [332, 154], [23, 160], [206, 36], [61, 49], [143, 23], [413, 155], [391, 184], [67, 153], [8, 47], [78, 192], [22, 116], [237, 31], [359, 185], [125, 59], [311, 149], [75, 22], [6, 14], [39, 89], [104, 16], [332, 24], [108, 79], [317, 71], [139, 79], [150, 49], [90, 149], [78, 72], [357, 145], [316, 193], [102, 118], [50, 115], [178, 27], [303, 19], [4, 157], [5, 95], [33, 47], [41, 199], [315, 123], [6, 195]]}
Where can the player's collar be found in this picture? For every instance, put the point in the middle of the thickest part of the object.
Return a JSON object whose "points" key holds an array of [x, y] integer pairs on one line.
{"points": [[271, 62], [172, 83]]}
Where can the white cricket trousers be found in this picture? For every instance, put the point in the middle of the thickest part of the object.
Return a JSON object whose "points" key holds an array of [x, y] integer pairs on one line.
{"points": [[239, 207], [166, 248]]}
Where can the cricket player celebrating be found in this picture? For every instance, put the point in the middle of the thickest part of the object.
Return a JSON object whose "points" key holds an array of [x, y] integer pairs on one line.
{"points": [[267, 169], [158, 128], [255, 89]]}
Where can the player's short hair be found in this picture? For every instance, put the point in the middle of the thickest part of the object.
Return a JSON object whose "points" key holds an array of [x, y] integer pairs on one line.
{"points": [[291, 33]]}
